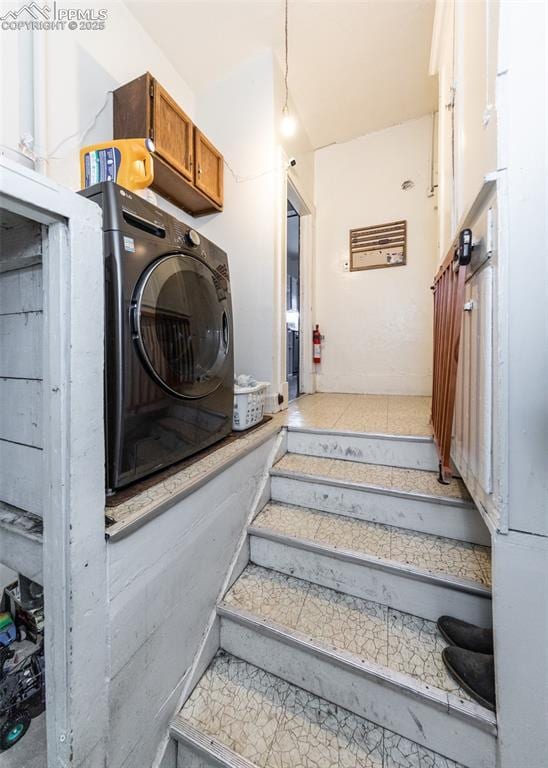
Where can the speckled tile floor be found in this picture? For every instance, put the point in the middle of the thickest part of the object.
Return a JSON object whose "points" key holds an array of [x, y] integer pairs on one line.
{"points": [[388, 414], [277, 725], [426, 552], [371, 631], [413, 480]]}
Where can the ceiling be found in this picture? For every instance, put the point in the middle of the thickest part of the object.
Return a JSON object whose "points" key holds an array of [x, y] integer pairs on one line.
{"points": [[354, 66]]}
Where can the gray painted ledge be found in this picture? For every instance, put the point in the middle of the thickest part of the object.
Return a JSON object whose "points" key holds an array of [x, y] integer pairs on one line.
{"points": [[20, 522], [152, 502], [21, 541]]}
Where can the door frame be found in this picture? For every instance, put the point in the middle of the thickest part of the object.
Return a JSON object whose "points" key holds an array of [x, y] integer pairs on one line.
{"points": [[307, 373], [289, 190], [289, 216]]}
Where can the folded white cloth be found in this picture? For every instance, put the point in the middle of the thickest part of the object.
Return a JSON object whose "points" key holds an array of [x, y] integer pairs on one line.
{"points": [[244, 380]]}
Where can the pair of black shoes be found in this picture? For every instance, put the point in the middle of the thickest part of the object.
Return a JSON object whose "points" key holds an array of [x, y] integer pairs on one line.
{"points": [[469, 658]]}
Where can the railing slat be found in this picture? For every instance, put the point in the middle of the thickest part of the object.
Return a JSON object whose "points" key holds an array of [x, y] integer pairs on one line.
{"points": [[448, 291]]}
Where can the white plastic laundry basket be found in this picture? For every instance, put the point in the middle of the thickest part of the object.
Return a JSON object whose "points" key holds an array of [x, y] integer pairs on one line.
{"points": [[249, 405]]}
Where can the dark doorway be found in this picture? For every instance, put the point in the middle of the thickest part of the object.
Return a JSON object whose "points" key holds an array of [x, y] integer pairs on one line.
{"points": [[293, 301]]}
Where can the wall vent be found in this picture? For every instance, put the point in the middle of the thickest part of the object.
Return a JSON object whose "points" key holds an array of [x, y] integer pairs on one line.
{"points": [[383, 245]]}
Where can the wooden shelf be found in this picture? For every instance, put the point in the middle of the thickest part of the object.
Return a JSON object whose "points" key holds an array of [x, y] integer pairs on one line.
{"points": [[188, 169]]}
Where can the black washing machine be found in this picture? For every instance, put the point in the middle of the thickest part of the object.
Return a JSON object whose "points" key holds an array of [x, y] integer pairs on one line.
{"points": [[169, 365]]}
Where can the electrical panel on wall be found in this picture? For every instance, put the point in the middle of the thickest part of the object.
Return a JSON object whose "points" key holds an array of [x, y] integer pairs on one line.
{"points": [[383, 245]]}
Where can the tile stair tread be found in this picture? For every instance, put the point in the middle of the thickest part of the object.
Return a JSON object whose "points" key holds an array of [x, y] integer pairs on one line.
{"points": [[393, 478], [274, 724], [372, 632], [424, 551]]}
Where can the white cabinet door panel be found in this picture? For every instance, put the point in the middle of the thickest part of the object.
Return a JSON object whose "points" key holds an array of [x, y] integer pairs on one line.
{"points": [[473, 426]]}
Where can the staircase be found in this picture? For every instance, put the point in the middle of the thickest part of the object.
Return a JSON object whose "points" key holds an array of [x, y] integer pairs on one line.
{"points": [[330, 655]]}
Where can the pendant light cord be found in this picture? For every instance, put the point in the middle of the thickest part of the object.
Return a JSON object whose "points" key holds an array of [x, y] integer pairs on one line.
{"points": [[286, 57]]}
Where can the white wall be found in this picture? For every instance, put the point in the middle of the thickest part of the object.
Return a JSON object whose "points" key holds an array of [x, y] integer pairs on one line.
{"points": [[240, 113], [377, 323], [297, 146], [81, 67], [464, 55], [15, 90], [237, 113], [446, 185], [475, 115]]}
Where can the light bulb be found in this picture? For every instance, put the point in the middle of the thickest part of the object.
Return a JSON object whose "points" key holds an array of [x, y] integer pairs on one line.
{"points": [[288, 124]]}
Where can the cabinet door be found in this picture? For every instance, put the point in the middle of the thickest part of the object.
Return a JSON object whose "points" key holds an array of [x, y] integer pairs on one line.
{"points": [[209, 168], [473, 426], [172, 132]]}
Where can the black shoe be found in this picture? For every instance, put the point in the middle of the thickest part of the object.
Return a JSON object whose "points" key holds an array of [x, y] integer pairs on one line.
{"points": [[475, 672], [465, 635]]}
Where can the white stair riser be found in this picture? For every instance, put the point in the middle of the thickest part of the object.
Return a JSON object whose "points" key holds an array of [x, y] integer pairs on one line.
{"points": [[430, 725], [195, 749], [404, 511], [189, 758], [427, 599], [391, 451]]}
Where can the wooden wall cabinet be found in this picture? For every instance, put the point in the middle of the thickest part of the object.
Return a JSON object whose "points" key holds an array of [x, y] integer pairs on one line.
{"points": [[188, 169], [172, 132], [209, 167]]}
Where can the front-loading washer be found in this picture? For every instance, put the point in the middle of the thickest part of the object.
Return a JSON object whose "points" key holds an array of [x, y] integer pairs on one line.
{"points": [[169, 361]]}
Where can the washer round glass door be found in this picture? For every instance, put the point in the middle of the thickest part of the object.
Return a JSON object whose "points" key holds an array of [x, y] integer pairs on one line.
{"points": [[182, 327]]}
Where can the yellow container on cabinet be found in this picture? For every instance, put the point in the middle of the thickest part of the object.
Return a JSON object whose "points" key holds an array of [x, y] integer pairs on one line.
{"points": [[128, 162]]}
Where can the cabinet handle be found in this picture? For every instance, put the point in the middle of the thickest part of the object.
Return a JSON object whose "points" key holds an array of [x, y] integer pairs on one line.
{"points": [[199, 170], [190, 163]]}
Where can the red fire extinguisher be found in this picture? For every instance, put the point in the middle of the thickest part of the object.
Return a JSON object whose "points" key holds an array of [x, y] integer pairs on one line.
{"points": [[317, 345]]}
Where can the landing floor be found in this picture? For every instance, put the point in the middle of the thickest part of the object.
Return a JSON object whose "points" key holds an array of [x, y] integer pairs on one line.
{"points": [[389, 414]]}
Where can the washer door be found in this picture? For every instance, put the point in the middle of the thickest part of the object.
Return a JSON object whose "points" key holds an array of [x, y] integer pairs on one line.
{"points": [[181, 325]]}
